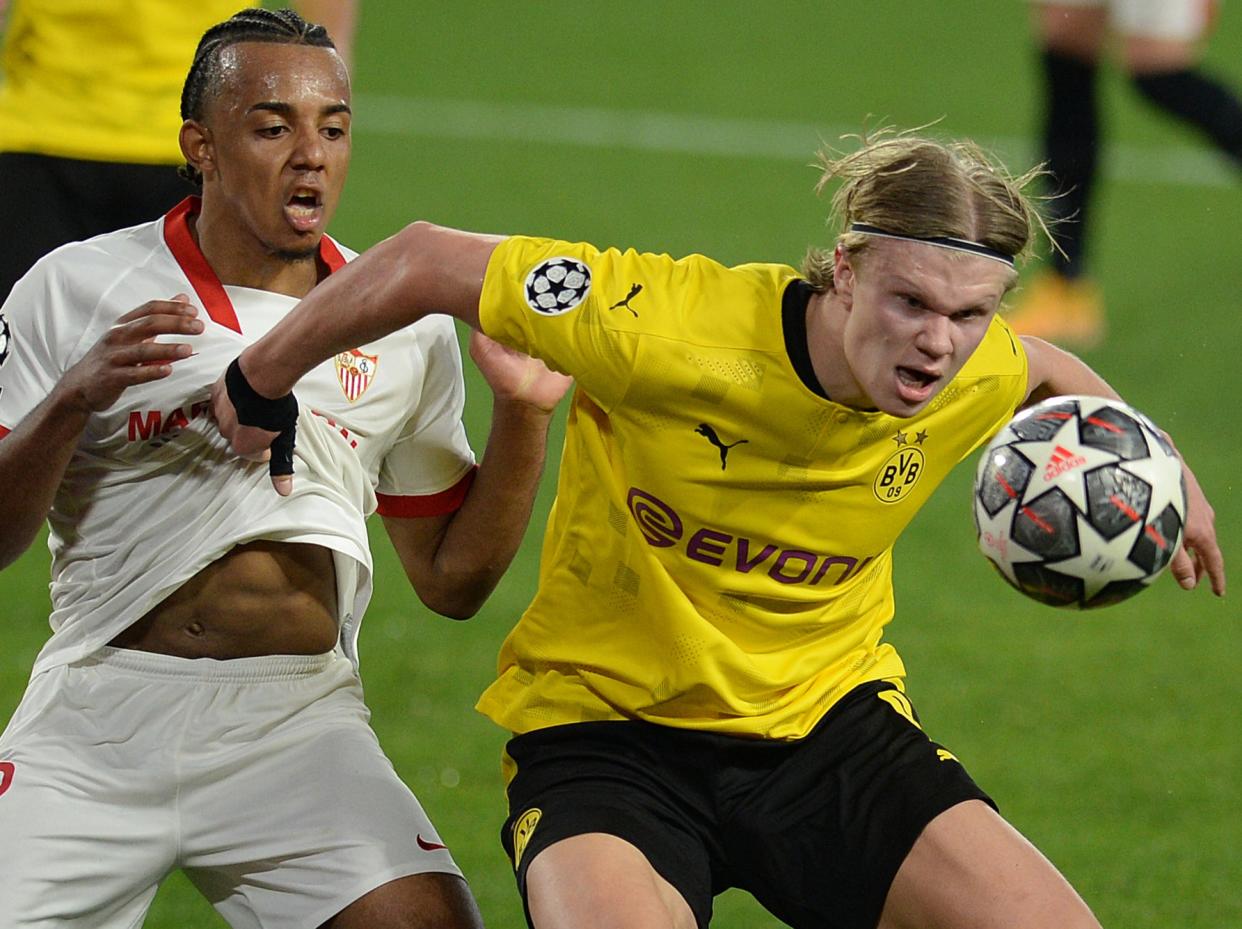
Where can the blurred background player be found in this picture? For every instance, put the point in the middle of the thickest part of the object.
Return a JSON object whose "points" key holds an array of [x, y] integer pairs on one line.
{"points": [[1160, 46], [89, 94], [198, 705]]}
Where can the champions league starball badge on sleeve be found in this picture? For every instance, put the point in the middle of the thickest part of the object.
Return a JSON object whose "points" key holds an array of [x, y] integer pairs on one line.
{"points": [[557, 285]]}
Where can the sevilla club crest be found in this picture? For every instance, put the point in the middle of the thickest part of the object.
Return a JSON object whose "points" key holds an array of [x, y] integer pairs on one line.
{"points": [[355, 371]]}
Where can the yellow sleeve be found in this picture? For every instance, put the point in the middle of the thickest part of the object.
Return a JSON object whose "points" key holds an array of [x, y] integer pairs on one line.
{"points": [[587, 312]]}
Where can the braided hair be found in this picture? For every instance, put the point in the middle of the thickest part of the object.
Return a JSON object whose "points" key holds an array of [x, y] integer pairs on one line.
{"points": [[283, 27]]}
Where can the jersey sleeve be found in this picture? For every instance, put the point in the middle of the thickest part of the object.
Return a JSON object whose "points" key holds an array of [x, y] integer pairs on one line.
{"points": [[584, 311], [41, 324], [430, 466]]}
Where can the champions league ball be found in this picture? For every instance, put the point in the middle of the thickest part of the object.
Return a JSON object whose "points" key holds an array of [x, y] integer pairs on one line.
{"points": [[1080, 502]]}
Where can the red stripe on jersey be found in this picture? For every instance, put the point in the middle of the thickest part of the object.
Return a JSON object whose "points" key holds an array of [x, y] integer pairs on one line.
{"points": [[4, 430], [330, 255], [203, 279], [446, 501]]}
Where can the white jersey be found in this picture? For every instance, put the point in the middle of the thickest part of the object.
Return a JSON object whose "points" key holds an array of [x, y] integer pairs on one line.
{"points": [[153, 494], [1179, 20]]}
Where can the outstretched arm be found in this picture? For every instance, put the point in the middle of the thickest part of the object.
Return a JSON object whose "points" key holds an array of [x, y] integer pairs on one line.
{"points": [[454, 562], [421, 270], [34, 456], [1054, 372]]}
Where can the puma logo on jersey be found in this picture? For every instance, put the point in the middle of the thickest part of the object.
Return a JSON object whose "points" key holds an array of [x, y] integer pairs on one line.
{"points": [[635, 290], [709, 433]]}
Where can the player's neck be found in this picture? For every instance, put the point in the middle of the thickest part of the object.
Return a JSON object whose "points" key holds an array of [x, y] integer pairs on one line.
{"points": [[241, 260], [825, 342]]}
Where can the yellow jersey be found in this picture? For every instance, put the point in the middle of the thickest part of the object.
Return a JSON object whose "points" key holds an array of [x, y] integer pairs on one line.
{"points": [[719, 555], [100, 80]]}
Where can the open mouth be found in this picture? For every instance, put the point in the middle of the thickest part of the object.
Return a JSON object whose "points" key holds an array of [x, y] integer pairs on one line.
{"points": [[305, 210], [916, 384]]}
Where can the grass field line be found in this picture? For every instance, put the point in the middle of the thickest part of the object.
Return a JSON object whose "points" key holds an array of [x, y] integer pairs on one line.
{"points": [[696, 134]]}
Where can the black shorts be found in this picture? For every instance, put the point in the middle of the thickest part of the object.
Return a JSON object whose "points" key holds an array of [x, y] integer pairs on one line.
{"points": [[49, 201], [814, 829]]}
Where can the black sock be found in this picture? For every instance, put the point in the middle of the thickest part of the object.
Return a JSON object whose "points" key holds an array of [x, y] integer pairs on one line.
{"points": [[1071, 147], [1202, 101]]}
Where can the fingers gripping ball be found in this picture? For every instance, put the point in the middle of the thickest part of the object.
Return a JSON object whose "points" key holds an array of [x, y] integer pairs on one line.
{"points": [[278, 415]]}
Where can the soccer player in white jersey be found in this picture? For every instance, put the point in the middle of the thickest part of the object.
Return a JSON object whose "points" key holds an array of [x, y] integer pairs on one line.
{"points": [[198, 705], [699, 693], [1160, 46]]}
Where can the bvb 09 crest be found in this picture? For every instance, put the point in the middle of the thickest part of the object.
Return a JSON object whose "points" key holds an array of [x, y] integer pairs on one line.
{"points": [[355, 371], [902, 470]]}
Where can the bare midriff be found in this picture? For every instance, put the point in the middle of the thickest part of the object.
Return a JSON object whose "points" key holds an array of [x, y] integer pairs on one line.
{"points": [[262, 598]]}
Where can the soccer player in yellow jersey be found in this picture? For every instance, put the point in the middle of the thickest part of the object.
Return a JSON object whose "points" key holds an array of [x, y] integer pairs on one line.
{"points": [[700, 694], [90, 110]]}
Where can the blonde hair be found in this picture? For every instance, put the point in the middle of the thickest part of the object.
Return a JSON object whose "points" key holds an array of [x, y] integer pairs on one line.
{"points": [[913, 185]]}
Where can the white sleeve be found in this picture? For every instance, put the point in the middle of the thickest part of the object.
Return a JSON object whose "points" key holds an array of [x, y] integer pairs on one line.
{"points": [[42, 324], [428, 469]]}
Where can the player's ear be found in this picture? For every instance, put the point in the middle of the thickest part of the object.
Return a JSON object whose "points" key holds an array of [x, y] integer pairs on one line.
{"points": [[195, 139], [842, 274]]}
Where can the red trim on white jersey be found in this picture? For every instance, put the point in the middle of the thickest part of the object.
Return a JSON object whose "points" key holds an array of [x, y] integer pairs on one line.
{"points": [[440, 504], [208, 287], [4, 430], [192, 261], [330, 255]]}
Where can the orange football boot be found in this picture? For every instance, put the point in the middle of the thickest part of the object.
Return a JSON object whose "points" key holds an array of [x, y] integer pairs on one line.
{"points": [[1066, 311]]}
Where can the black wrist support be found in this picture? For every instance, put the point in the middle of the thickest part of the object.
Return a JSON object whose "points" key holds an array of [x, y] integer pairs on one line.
{"points": [[253, 409]]}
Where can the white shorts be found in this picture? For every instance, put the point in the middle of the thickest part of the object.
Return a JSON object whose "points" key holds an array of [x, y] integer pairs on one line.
{"points": [[1185, 20], [260, 777]]}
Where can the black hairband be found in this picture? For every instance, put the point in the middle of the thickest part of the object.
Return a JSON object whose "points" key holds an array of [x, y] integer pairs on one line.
{"points": [[943, 241]]}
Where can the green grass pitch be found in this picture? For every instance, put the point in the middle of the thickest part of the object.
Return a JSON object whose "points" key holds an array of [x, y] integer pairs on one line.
{"points": [[1110, 739]]}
